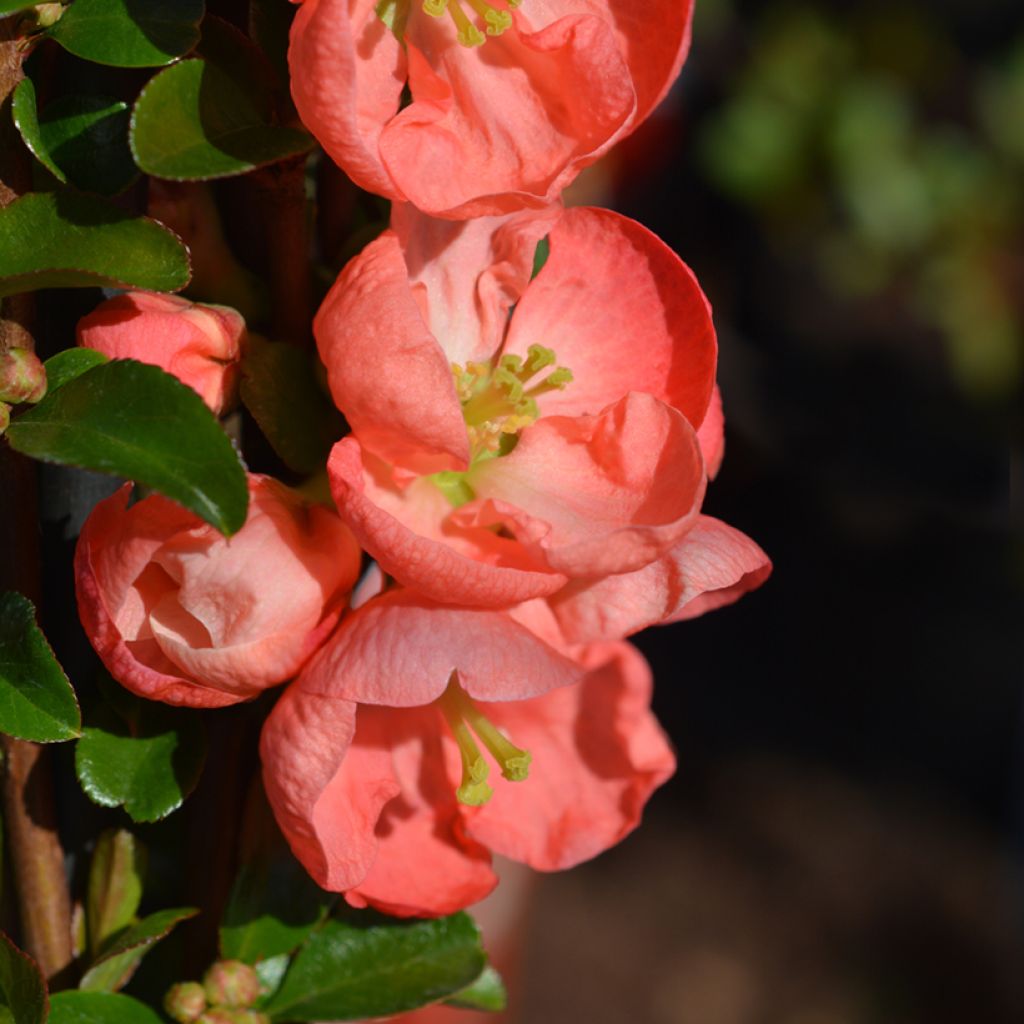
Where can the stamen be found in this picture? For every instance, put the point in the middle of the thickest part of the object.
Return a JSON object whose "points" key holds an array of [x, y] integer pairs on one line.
{"points": [[497, 21], [468, 34], [473, 790], [435, 8]]}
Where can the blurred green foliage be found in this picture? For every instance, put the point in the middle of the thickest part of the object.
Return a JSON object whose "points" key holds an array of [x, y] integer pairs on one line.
{"points": [[869, 143]]}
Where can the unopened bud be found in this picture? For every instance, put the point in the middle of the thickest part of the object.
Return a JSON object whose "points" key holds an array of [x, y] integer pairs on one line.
{"points": [[22, 376], [185, 1002], [5, 417], [231, 983], [48, 14]]}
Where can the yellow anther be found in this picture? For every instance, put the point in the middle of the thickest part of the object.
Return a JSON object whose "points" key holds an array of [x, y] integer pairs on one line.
{"points": [[537, 357], [459, 710], [497, 21], [435, 8], [468, 34]]}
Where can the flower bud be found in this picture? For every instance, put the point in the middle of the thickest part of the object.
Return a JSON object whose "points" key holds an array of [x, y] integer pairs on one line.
{"points": [[231, 983], [5, 417], [185, 1002], [22, 376]]}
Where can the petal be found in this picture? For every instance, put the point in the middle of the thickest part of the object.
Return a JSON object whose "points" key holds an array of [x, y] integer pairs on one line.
{"points": [[601, 494], [400, 650], [386, 371], [114, 548], [406, 532], [508, 124], [347, 74], [711, 435], [598, 754], [712, 566], [621, 311], [426, 865]]}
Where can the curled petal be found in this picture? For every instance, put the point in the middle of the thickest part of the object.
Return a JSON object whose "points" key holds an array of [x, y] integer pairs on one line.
{"points": [[400, 650], [621, 311], [406, 532], [712, 566], [711, 435], [598, 754], [600, 494]]}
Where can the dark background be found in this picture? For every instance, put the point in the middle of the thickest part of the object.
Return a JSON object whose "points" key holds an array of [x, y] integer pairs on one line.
{"points": [[841, 843]]}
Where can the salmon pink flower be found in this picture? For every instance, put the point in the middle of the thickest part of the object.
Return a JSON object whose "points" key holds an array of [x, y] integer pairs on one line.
{"points": [[198, 344], [510, 99], [377, 759], [179, 613], [495, 457]]}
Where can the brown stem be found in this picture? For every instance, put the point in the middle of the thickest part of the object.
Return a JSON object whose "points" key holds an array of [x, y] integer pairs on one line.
{"points": [[282, 199], [37, 859]]}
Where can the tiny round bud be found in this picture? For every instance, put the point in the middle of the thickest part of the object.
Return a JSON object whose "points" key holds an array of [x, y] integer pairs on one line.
{"points": [[22, 376], [48, 14], [231, 983], [185, 1002], [5, 417]]}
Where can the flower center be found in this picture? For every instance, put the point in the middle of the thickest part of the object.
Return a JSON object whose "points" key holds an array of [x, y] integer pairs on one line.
{"points": [[497, 401], [495, 21], [464, 719]]}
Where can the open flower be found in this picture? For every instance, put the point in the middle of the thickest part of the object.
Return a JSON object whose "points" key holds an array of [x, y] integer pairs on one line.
{"points": [[424, 737], [494, 458], [198, 344], [509, 99], [179, 613]]}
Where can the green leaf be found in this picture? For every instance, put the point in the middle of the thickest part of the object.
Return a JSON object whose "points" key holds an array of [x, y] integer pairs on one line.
{"points": [[115, 886], [11, 6], [65, 366], [66, 240], [540, 256], [193, 121], [269, 25], [99, 1008], [371, 966], [280, 389], [149, 764], [486, 993], [36, 700], [26, 118], [22, 989], [273, 907], [129, 33], [135, 421], [116, 964]]}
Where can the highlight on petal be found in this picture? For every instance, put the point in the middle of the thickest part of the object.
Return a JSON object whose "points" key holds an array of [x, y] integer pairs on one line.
{"points": [[598, 754], [400, 650], [623, 312], [599, 494], [711, 435], [712, 566], [408, 531]]}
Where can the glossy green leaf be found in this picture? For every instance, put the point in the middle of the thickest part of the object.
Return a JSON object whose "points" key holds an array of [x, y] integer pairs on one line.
{"points": [[116, 873], [149, 764], [11, 6], [99, 1008], [280, 389], [67, 240], [26, 118], [269, 25], [540, 256], [486, 993], [71, 363], [129, 33], [36, 700], [22, 989], [194, 121], [135, 421], [372, 966], [273, 907], [117, 962]]}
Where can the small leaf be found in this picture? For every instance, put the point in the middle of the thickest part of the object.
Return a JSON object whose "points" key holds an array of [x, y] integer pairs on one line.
{"points": [[540, 256], [26, 118], [65, 366], [129, 33], [135, 421], [280, 389], [193, 122], [115, 885], [372, 966], [149, 766], [116, 964], [486, 993], [36, 700], [99, 1008], [273, 907], [23, 997], [66, 240]]}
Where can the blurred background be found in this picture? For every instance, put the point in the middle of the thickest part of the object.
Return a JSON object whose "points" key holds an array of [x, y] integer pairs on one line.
{"points": [[842, 842]]}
